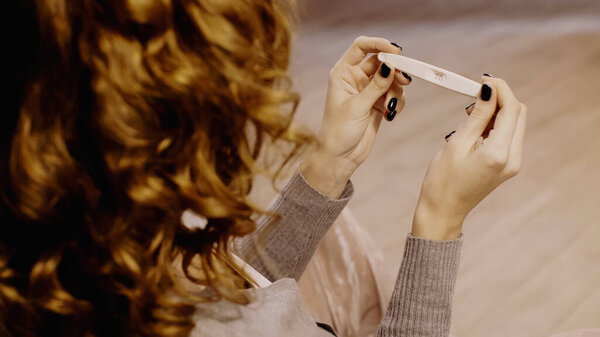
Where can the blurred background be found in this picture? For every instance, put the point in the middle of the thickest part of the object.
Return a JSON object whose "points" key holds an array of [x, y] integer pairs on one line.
{"points": [[531, 257]]}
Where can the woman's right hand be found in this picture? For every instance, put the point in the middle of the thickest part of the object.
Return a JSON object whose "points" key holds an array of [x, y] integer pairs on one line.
{"points": [[467, 169], [361, 90]]}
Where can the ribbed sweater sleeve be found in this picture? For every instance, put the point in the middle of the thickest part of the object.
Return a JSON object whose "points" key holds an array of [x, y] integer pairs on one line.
{"points": [[282, 246], [421, 303]]}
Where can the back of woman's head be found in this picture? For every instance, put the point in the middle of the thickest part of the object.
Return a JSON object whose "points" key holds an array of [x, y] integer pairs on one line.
{"points": [[120, 116]]}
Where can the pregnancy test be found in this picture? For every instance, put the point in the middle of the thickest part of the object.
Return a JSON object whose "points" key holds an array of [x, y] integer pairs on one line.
{"points": [[433, 74]]}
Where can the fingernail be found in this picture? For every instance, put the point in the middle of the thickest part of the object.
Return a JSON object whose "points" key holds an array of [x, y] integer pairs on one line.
{"points": [[396, 45], [392, 104], [385, 70], [390, 115], [488, 75], [449, 135], [470, 105], [486, 92], [407, 76]]}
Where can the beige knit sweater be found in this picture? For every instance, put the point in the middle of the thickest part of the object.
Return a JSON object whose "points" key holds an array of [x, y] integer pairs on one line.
{"points": [[420, 305]]}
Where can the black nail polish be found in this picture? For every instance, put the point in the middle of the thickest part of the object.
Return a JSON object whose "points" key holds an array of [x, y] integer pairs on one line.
{"points": [[392, 104], [327, 328], [450, 134], [385, 70], [470, 105], [488, 75], [390, 115], [486, 92], [407, 76], [396, 45]]}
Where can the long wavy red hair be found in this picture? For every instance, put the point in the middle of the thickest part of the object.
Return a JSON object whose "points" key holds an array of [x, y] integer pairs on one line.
{"points": [[121, 115]]}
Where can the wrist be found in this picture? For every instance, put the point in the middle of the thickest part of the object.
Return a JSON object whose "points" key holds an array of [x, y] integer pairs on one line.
{"points": [[433, 223], [327, 173]]}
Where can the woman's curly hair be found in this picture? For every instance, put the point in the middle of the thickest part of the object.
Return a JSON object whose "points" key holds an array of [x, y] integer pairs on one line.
{"points": [[122, 115]]}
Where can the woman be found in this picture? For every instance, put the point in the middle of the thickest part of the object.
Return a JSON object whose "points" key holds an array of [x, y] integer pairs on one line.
{"points": [[125, 114]]}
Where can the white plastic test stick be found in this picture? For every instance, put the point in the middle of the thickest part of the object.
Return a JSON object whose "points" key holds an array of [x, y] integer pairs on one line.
{"points": [[433, 74]]}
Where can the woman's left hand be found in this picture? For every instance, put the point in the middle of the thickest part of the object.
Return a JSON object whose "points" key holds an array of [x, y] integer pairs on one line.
{"points": [[361, 91]]}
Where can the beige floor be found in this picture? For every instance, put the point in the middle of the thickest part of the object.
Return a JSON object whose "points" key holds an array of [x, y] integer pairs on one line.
{"points": [[531, 259]]}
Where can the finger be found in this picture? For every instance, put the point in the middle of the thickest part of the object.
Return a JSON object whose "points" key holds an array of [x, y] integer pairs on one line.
{"points": [[505, 95], [470, 108], [516, 148], [489, 128], [394, 101], [451, 136], [480, 116], [447, 138], [402, 78], [508, 115], [370, 65], [364, 45], [380, 105], [379, 85], [490, 125], [390, 115], [375, 121]]}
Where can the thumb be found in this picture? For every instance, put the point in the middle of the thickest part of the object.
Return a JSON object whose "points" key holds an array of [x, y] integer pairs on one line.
{"points": [[379, 85], [482, 113]]}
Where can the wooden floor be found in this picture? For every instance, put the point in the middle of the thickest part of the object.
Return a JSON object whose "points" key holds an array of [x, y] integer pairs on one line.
{"points": [[531, 258]]}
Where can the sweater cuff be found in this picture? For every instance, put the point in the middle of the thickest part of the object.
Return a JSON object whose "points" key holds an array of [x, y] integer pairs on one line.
{"points": [[307, 214], [289, 241], [299, 187], [421, 303]]}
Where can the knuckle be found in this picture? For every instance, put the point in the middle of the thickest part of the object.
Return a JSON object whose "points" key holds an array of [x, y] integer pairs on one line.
{"points": [[524, 108], [496, 159], [500, 81], [401, 102], [515, 106], [336, 70], [512, 170], [480, 112], [332, 78], [398, 90], [452, 145], [378, 84], [360, 39]]}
